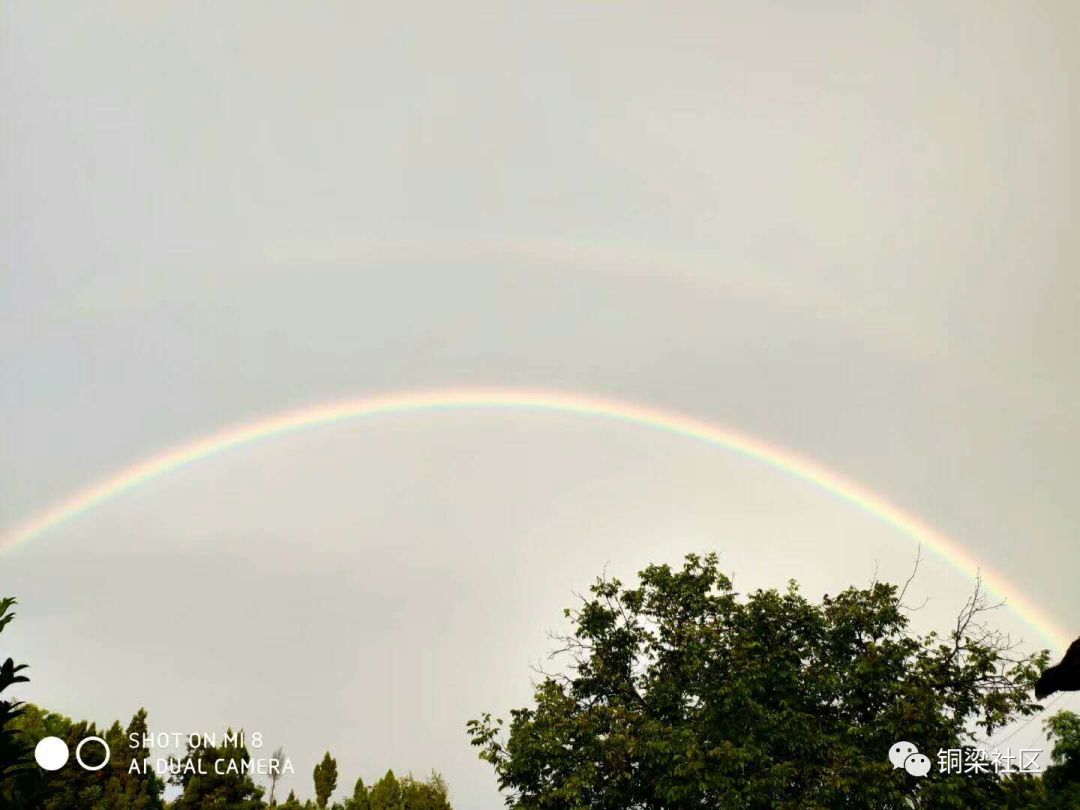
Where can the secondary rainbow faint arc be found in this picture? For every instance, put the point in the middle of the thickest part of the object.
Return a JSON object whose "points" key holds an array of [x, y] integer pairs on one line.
{"points": [[537, 400]]}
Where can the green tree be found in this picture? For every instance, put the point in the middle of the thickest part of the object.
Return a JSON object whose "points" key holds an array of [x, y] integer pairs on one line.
{"points": [[124, 789], [386, 793], [406, 793], [359, 799], [680, 693], [428, 794], [1023, 791], [38, 788], [216, 776], [1059, 786], [14, 752], [1063, 729], [1062, 776], [114, 787], [325, 776]]}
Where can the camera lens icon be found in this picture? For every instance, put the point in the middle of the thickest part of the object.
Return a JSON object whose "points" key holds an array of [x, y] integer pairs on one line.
{"points": [[51, 753]]}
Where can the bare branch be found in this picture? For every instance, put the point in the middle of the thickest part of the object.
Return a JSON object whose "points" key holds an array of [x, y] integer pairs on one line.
{"points": [[911, 576]]}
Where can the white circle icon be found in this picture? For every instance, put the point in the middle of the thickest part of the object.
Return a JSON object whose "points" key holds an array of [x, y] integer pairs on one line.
{"points": [[100, 765], [51, 753]]}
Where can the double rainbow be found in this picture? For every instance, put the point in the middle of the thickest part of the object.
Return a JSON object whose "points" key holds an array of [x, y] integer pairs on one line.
{"points": [[534, 400]]}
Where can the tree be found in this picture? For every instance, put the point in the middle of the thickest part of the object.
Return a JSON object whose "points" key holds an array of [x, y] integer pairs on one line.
{"points": [[68, 787], [14, 752], [1062, 777], [428, 794], [406, 793], [216, 776], [124, 789], [114, 787], [292, 803], [680, 693], [275, 775], [325, 776], [359, 799], [1059, 786], [386, 793]]}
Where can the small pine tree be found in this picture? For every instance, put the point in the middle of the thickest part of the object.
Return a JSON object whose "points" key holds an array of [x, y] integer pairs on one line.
{"points": [[359, 799], [386, 793], [325, 776]]}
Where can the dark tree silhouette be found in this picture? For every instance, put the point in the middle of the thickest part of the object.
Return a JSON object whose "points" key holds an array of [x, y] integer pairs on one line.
{"points": [[14, 754], [1064, 677]]}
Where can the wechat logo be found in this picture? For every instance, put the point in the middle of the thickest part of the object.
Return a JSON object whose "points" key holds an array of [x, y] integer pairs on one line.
{"points": [[905, 755]]}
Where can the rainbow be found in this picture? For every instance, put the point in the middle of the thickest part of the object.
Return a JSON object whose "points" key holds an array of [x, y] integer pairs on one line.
{"points": [[671, 422]]}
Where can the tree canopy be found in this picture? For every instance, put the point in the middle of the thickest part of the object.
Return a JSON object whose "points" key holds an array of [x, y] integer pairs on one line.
{"points": [[111, 788], [14, 752], [682, 693], [228, 787]]}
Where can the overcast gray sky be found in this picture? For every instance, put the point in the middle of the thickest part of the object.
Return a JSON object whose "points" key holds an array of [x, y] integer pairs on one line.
{"points": [[846, 230]]}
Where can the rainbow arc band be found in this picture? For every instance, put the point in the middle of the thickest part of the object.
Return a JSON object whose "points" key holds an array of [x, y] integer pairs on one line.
{"points": [[534, 400]]}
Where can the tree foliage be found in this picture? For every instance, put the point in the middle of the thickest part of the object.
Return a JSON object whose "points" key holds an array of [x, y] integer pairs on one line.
{"points": [[291, 802], [325, 777], [424, 794], [72, 788], [1062, 777], [681, 693], [359, 799], [14, 753], [406, 793], [205, 783]]}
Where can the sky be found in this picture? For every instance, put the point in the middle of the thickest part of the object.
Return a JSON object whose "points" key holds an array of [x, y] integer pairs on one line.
{"points": [[847, 231]]}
